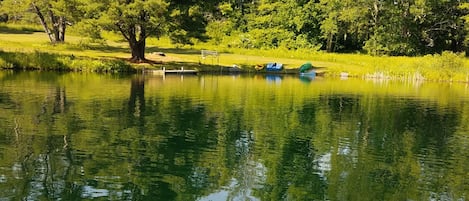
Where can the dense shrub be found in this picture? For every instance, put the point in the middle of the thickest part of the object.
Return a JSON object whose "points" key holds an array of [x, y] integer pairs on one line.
{"points": [[3, 17], [46, 61]]}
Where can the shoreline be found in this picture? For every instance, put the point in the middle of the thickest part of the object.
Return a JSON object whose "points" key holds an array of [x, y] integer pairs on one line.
{"points": [[447, 67]]}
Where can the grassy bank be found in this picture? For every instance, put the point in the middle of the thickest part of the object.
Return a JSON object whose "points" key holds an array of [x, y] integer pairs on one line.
{"points": [[446, 66], [28, 48], [49, 61]]}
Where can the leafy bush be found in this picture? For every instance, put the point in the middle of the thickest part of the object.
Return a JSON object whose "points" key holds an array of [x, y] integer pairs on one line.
{"points": [[243, 41], [88, 28], [219, 30], [35, 60], [46, 61], [97, 65], [3, 17], [5, 65], [449, 64]]}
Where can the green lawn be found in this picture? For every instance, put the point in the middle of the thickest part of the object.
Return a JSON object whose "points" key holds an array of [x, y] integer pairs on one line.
{"points": [[447, 66]]}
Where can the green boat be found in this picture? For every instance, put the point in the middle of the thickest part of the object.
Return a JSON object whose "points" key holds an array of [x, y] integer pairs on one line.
{"points": [[305, 67]]}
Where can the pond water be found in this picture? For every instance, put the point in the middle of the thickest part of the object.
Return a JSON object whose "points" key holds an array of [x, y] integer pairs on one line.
{"points": [[233, 137]]}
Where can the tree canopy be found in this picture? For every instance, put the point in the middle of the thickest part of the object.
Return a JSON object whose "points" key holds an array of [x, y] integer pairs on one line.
{"points": [[135, 20], [54, 16], [398, 27]]}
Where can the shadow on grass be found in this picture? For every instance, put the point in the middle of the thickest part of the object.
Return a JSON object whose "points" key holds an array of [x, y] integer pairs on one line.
{"points": [[23, 30], [173, 50], [97, 47], [113, 49]]}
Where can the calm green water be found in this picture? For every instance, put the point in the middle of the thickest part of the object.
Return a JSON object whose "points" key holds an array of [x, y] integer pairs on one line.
{"points": [[201, 138]]}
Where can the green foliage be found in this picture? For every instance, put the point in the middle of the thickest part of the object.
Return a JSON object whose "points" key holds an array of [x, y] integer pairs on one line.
{"points": [[35, 60], [451, 61], [88, 28], [218, 31], [3, 17], [356, 65], [393, 28], [16, 10], [187, 21], [446, 66], [465, 18], [375, 46], [5, 65], [226, 9], [378, 27], [147, 14], [46, 61], [65, 8], [239, 40], [265, 38], [96, 65], [135, 21], [264, 25], [54, 16]]}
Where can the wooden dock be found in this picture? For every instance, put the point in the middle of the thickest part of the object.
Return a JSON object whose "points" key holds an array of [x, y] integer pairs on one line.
{"points": [[177, 71]]}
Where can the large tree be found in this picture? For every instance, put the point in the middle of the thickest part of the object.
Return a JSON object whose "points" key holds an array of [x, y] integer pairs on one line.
{"points": [[465, 18], [188, 19], [57, 13], [398, 27], [136, 20], [268, 24], [288, 24], [54, 15]]}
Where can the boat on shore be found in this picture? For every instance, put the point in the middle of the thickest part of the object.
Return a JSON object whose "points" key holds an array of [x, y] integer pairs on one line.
{"points": [[274, 67], [307, 70]]}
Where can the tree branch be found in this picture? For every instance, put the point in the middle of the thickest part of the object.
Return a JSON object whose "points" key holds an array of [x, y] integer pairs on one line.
{"points": [[123, 32]]}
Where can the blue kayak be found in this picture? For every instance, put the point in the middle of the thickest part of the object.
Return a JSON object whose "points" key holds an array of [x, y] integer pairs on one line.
{"points": [[274, 67]]}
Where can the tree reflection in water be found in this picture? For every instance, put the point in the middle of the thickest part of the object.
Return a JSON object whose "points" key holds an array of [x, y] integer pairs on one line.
{"points": [[75, 137]]}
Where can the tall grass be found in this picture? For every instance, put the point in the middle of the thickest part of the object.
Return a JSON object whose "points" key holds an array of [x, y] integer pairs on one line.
{"points": [[47, 61], [447, 66]]}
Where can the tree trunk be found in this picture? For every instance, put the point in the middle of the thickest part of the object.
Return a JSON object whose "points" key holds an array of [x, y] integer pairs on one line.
{"points": [[330, 37], [136, 36], [55, 27], [57, 33], [44, 23], [375, 14], [138, 50], [62, 26]]}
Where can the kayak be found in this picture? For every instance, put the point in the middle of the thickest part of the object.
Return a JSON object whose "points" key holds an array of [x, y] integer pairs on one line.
{"points": [[274, 67], [305, 67]]}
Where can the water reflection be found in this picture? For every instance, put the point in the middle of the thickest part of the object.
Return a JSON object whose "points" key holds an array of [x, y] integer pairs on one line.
{"points": [[307, 78], [70, 136], [273, 78]]}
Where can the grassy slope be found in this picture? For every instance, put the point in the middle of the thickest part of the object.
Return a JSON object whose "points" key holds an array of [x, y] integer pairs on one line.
{"points": [[39, 42], [14, 39]]}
